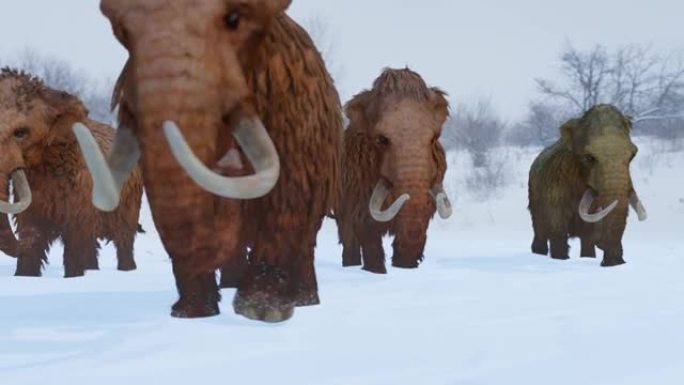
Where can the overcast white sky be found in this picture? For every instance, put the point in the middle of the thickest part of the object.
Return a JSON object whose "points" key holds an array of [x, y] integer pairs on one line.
{"points": [[493, 48]]}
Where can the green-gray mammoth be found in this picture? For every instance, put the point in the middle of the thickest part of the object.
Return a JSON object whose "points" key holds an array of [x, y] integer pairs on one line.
{"points": [[581, 187]]}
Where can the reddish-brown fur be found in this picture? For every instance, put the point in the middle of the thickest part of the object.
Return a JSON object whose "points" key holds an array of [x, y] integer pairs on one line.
{"points": [[59, 180], [281, 76], [366, 161]]}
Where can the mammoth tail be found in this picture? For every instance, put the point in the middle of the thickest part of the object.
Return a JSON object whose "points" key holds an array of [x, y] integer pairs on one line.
{"points": [[140, 229]]}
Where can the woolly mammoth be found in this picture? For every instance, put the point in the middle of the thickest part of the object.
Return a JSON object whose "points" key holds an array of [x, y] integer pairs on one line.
{"points": [[205, 97], [41, 158], [581, 187], [393, 170]]}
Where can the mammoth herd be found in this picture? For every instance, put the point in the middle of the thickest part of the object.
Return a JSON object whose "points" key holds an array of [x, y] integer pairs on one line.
{"points": [[230, 121]]}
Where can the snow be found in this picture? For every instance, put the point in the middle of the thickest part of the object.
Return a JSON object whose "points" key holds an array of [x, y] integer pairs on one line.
{"points": [[480, 310]]}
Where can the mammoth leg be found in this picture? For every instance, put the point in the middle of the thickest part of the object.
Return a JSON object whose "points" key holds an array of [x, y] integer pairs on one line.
{"points": [[588, 249], [306, 285], [351, 253], [373, 253], [124, 251], [193, 258], [199, 293], [33, 248], [612, 256], [231, 251], [540, 245], [233, 269], [79, 251], [559, 247], [277, 274]]}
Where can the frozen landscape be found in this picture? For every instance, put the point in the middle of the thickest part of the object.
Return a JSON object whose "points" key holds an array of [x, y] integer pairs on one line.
{"points": [[481, 309]]}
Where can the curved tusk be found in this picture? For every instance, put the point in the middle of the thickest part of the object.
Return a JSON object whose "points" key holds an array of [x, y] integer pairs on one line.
{"points": [[109, 175], [380, 193], [252, 136], [636, 204], [22, 193], [442, 201], [585, 205]]}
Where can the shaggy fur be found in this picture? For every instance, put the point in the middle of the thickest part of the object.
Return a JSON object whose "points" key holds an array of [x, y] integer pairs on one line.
{"points": [[60, 182], [265, 245], [297, 101], [413, 162], [593, 152]]}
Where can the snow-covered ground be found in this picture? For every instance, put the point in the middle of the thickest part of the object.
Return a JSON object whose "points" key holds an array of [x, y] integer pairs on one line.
{"points": [[480, 310]]}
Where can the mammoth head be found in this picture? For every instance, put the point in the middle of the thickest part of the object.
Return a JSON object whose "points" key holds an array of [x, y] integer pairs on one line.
{"points": [[402, 118], [33, 118], [185, 84], [600, 141], [195, 46]]}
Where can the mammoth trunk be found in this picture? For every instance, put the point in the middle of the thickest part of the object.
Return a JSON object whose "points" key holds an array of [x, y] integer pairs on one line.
{"points": [[183, 211], [612, 227], [410, 229]]}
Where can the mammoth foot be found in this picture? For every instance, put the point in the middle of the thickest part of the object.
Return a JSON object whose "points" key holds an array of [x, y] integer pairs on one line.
{"points": [[126, 265], [540, 246], [307, 298], [612, 262], [264, 295], [375, 269], [73, 272], [199, 297], [404, 263], [262, 306], [612, 256], [26, 272], [194, 308]]}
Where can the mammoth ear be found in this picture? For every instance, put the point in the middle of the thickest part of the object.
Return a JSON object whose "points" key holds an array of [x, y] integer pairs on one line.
{"points": [[567, 132], [629, 121], [63, 111], [357, 110], [441, 104]]}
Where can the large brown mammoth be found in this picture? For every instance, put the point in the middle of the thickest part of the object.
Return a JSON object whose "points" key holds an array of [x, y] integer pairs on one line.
{"points": [[393, 170], [39, 154], [581, 187], [212, 89]]}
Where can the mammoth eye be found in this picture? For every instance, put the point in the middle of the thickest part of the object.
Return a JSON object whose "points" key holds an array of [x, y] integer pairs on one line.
{"points": [[589, 158], [21, 133], [232, 20], [383, 140]]}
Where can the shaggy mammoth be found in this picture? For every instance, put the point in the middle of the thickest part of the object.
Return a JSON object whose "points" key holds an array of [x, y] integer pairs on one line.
{"points": [[39, 154], [581, 187], [393, 170], [205, 97]]}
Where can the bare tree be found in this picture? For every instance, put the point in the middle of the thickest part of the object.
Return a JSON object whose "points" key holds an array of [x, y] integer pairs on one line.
{"points": [[640, 82], [475, 128], [586, 74], [540, 126]]}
